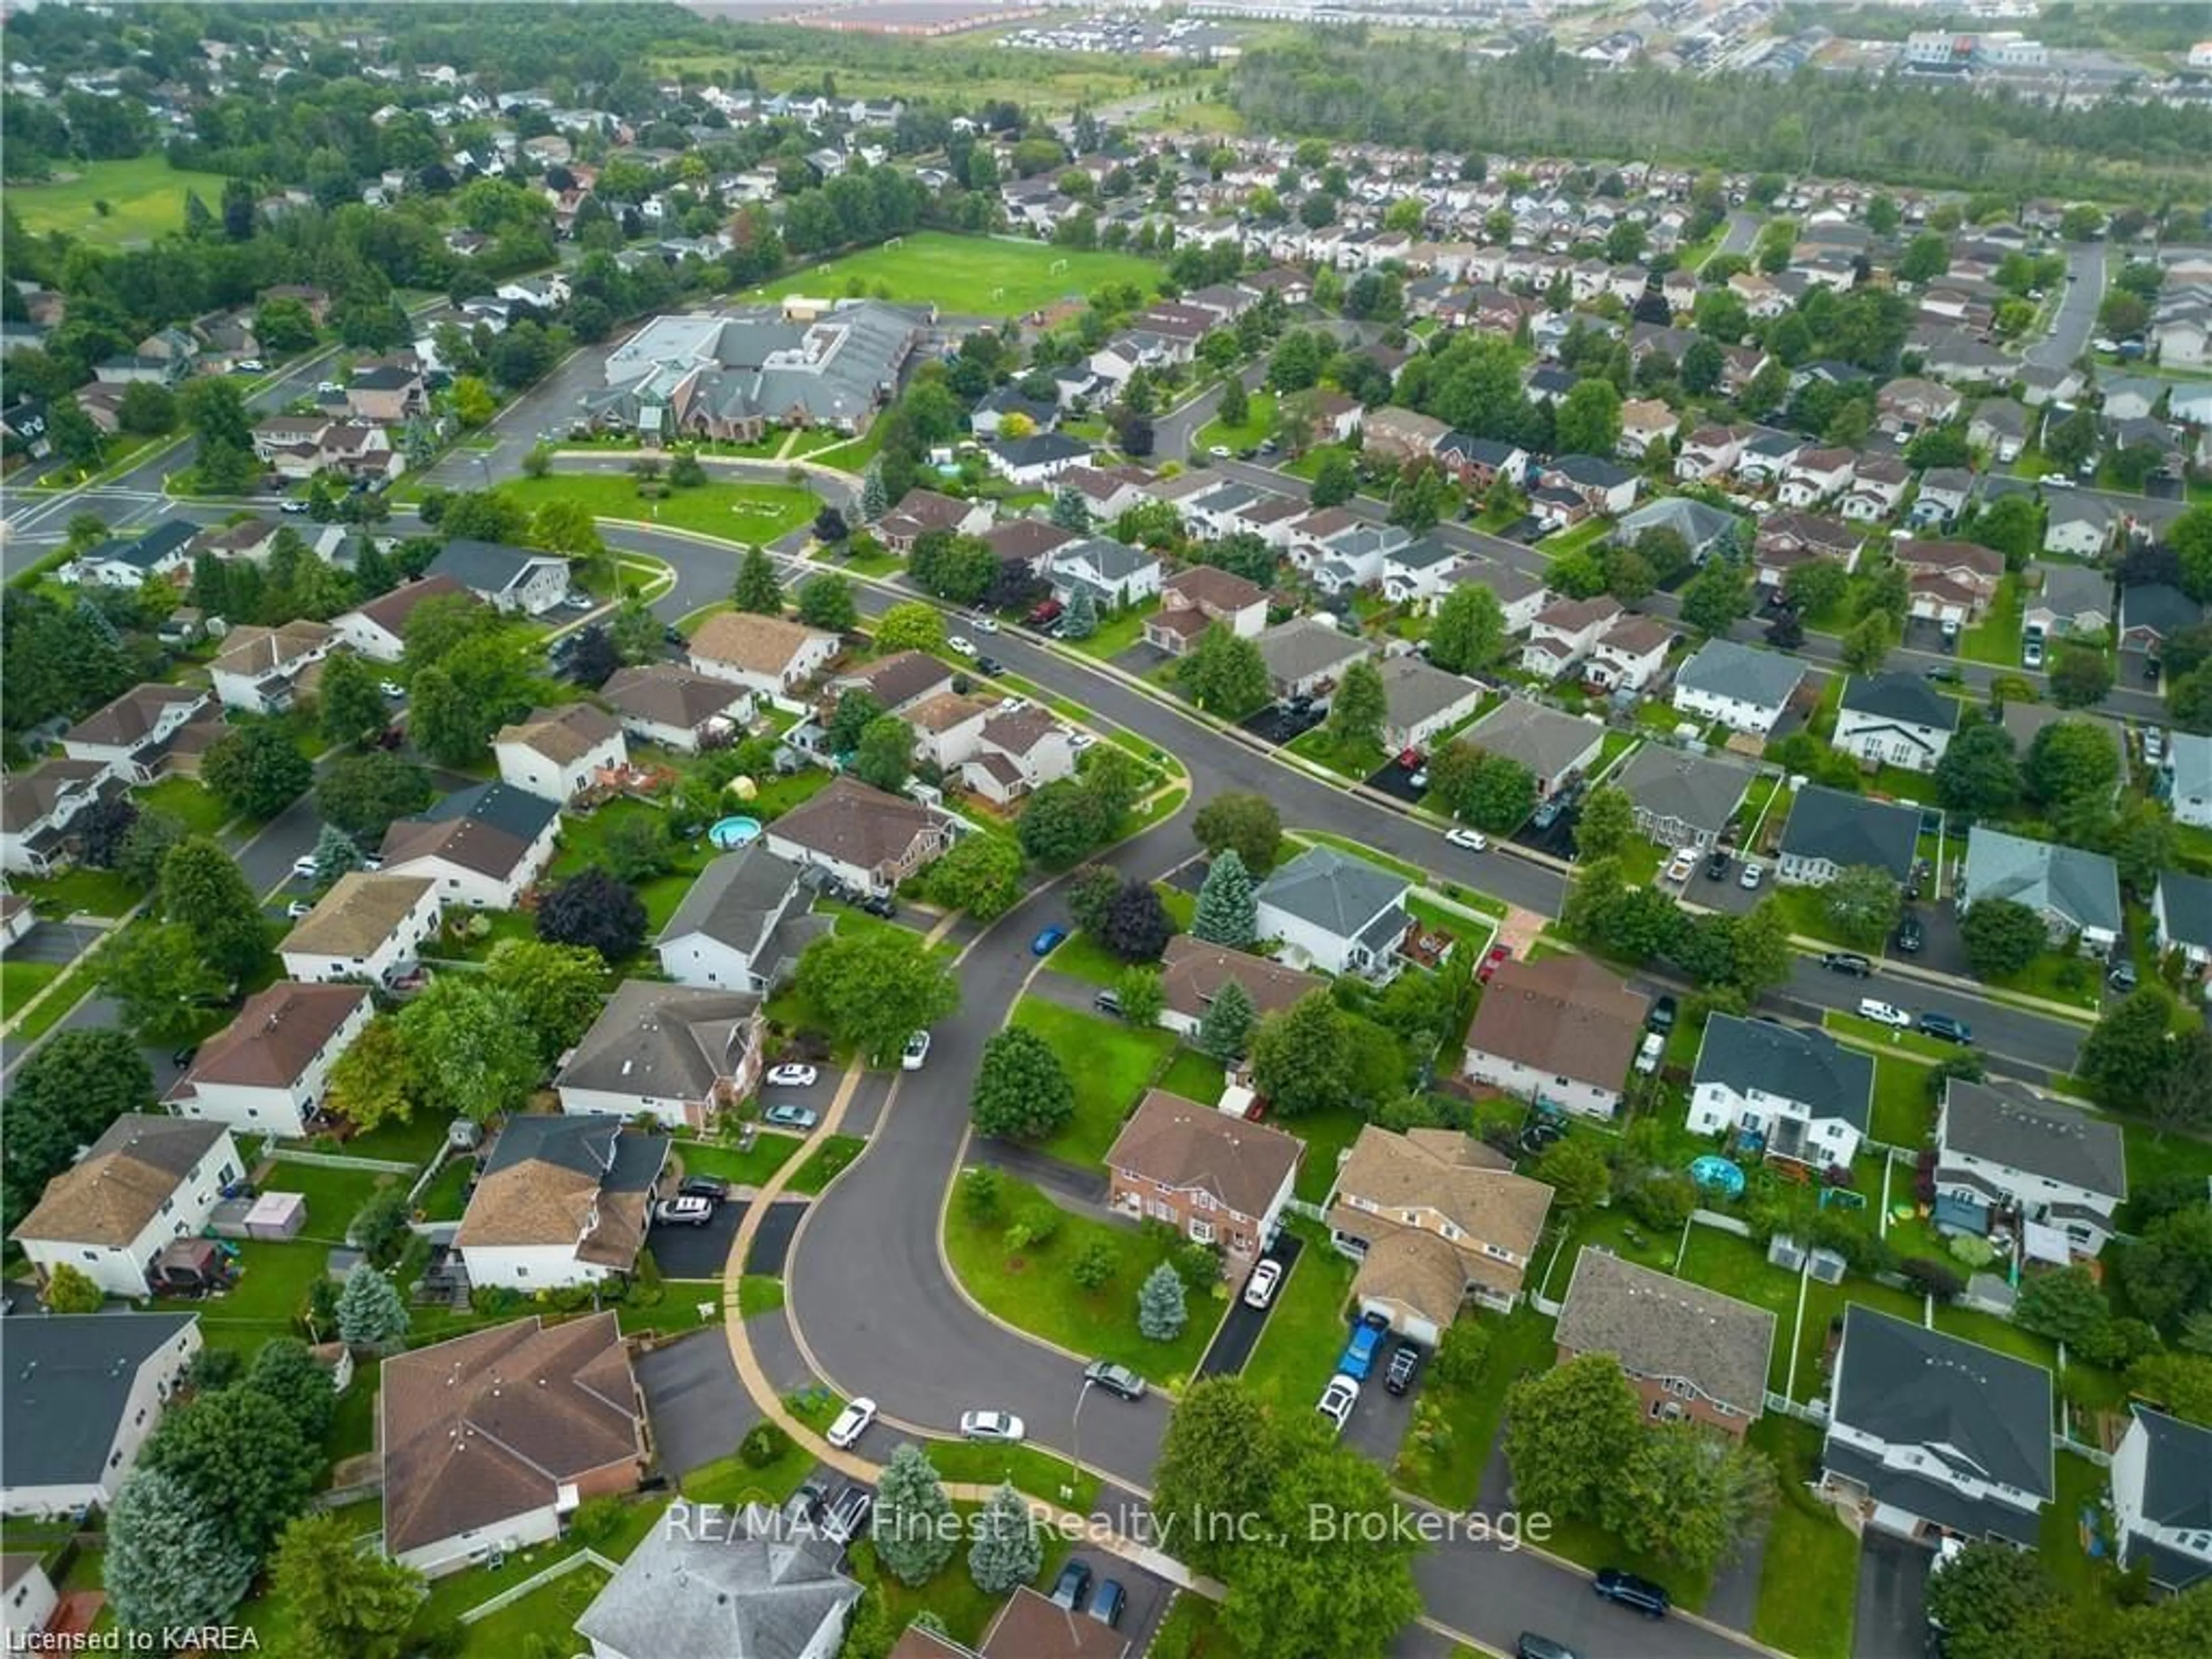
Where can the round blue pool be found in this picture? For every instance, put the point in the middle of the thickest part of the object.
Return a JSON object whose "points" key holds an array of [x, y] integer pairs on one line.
{"points": [[734, 832], [1716, 1175]]}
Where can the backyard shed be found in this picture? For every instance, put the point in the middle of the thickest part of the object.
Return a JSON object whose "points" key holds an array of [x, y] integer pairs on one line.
{"points": [[277, 1216]]}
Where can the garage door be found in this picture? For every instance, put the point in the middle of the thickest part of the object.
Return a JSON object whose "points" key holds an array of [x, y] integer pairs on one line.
{"points": [[1403, 1320]]}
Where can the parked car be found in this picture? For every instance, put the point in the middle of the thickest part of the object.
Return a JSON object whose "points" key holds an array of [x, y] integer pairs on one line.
{"points": [[1079, 741], [916, 1052], [1753, 873], [1884, 1013], [682, 1213], [880, 904], [1259, 1289], [1472, 841], [298, 909], [1045, 612], [306, 869], [2122, 977], [1716, 866], [1001, 1426], [1529, 1645], [2154, 741], [990, 666], [1949, 1030], [1910, 935], [1219, 451], [1492, 959], [1404, 1365], [577, 601], [1108, 1002], [293, 508], [1048, 939], [1648, 1056], [1337, 1401], [806, 1506], [1680, 866], [713, 1188], [1661, 1017], [961, 646], [984, 623], [852, 1423], [1071, 1587], [848, 1515], [1117, 1379], [791, 1075], [2030, 651], [392, 688], [1846, 962], [1108, 1602], [1625, 1589], [791, 1117], [1359, 1356]]}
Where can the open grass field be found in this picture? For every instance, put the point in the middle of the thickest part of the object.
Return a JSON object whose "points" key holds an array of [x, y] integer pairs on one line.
{"points": [[1110, 1063], [749, 512], [145, 198], [970, 275]]}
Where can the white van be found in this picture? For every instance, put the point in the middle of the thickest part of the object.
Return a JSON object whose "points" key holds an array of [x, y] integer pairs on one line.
{"points": [[1883, 1013]]}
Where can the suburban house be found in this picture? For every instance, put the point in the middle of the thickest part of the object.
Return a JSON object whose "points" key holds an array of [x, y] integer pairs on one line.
{"points": [[2181, 917], [1031, 540], [550, 1416], [670, 706], [1210, 1175], [1629, 655], [1705, 530], [28, 1599], [559, 752], [267, 1071], [2002, 1152], [2153, 612], [1475, 464], [743, 924], [486, 846], [767, 655], [1193, 600], [147, 732], [37, 808], [1192, 973], [1015, 751], [264, 670], [1421, 703], [1305, 655], [1807, 1099], [1943, 494], [2074, 890], [2162, 1498], [1690, 1354], [81, 1392], [510, 579], [367, 928], [1554, 747], [1031, 462], [921, 511], [1336, 912], [1950, 581], [1604, 487], [1392, 433], [869, 840], [1116, 574], [752, 1587], [1682, 800], [1894, 720], [1645, 421], [162, 553], [2074, 599], [378, 628], [1744, 688], [2079, 526], [677, 1054], [1786, 540], [560, 1200], [1559, 1032], [1829, 831], [1418, 572], [1815, 476], [1932, 1437], [147, 1183], [1436, 1220], [1565, 632]]}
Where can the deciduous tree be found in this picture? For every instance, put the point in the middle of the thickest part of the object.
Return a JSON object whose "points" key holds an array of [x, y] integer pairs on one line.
{"points": [[593, 908], [1979, 772], [202, 889], [1022, 1091], [1360, 706], [156, 973], [350, 704], [1468, 631], [472, 1045], [242, 1455], [980, 874], [256, 770], [1137, 927], [346, 1603], [1862, 905], [910, 625], [874, 989], [825, 601], [1245, 823], [1225, 674], [1606, 823], [365, 794], [1299, 1060], [1569, 1431]]}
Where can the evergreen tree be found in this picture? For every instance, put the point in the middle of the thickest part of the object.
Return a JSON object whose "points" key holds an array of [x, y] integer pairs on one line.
{"points": [[757, 589], [875, 500], [169, 1562], [1227, 1025], [1070, 511], [1356, 714], [1007, 1551], [915, 1526], [346, 1603], [1081, 620], [370, 1313], [1161, 1312], [1228, 903]]}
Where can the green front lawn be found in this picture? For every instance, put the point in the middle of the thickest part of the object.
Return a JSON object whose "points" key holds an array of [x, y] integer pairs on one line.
{"points": [[1358, 758], [1307, 1328], [1041, 1474], [21, 981], [1903, 1102], [1808, 1574], [827, 1163], [752, 514], [1118, 633], [1031, 1288], [189, 801], [759, 1293], [1110, 1065], [1259, 422], [1195, 1077], [1877, 1038], [1995, 639], [95, 892], [2059, 976], [1081, 957], [753, 1167]]}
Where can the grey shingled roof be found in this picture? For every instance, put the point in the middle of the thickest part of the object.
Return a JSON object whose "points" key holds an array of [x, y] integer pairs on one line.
{"points": [[1699, 523], [1847, 829], [1967, 1407], [1542, 739], [2080, 887], [736, 898], [2005, 1124], [488, 566], [1304, 646], [1414, 691], [1658, 1326], [67, 1378], [1807, 1066], [662, 1042], [2188, 907], [1332, 890], [1908, 698], [749, 1590], [1763, 679], [1692, 789]]}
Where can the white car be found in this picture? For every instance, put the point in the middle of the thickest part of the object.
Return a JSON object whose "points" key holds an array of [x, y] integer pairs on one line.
{"points": [[1473, 841], [577, 602], [986, 624], [2103, 343], [1678, 872], [916, 1051], [306, 869], [961, 646], [1079, 741], [1337, 1401], [790, 1076], [2057, 481], [1219, 451], [1884, 1013], [392, 688], [1259, 1289], [1751, 875], [252, 365], [852, 1423], [1002, 1426], [297, 908]]}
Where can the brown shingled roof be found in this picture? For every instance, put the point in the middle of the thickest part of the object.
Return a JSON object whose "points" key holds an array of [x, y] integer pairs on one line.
{"points": [[563, 734], [1192, 973], [760, 645], [1181, 1144], [276, 1035], [108, 1196], [1562, 1016], [357, 914]]}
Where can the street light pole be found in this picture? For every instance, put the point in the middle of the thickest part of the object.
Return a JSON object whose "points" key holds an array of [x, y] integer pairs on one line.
{"points": [[1075, 1434]]}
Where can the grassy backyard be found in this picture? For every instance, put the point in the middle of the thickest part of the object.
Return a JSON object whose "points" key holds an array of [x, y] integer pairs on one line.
{"points": [[1736, 1267], [1030, 1287], [996, 276], [1110, 1065], [745, 513]]}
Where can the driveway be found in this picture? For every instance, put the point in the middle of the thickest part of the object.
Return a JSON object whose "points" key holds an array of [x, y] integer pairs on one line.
{"points": [[697, 1252], [57, 943], [700, 1410], [772, 1242], [1083, 1188], [1381, 1418], [1240, 1330], [1396, 781], [1148, 1595], [1276, 724], [1892, 1619]]}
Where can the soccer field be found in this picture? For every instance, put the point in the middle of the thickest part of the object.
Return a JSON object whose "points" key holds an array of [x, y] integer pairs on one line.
{"points": [[974, 275], [145, 197]]}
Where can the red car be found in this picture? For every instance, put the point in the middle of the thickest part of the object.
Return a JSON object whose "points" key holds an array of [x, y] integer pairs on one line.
{"points": [[1497, 953], [1410, 759]]}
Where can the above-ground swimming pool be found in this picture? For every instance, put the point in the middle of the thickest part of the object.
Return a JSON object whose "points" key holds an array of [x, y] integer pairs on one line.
{"points": [[734, 832], [1716, 1174]]}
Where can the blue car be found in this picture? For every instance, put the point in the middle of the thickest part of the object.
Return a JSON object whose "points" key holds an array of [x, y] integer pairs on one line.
{"points": [[1359, 1353], [1050, 940]]}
